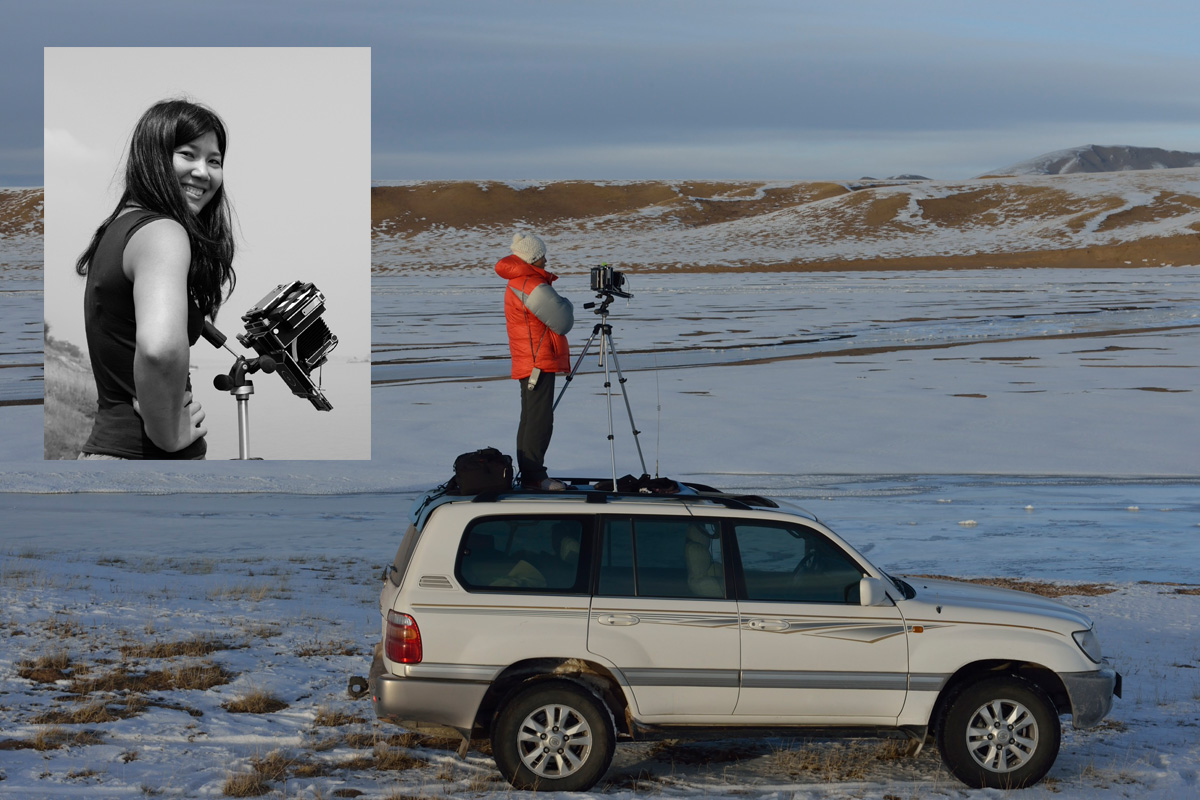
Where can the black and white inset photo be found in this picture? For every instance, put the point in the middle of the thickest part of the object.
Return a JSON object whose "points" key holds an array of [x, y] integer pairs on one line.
{"points": [[218, 185]]}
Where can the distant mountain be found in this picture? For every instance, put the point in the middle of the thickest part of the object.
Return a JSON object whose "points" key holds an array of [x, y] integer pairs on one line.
{"points": [[1101, 158]]}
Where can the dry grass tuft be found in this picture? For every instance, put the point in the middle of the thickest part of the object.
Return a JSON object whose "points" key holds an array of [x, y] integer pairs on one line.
{"points": [[642, 782], [1043, 588], [361, 741], [329, 717], [839, 761], [274, 766], [55, 738], [357, 763], [389, 758], [63, 626], [200, 676], [254, 592], [195, 647], [93, 713], [49, 668], [433, 741], [245, 784], [328, 648], [262, 631], [256, 701]]}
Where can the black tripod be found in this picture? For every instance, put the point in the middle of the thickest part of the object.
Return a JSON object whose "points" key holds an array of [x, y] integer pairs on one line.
{"points": [[238, 384], [607, 349]]}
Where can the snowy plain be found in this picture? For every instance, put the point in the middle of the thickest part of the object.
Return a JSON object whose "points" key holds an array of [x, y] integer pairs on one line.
{"points": [[1031, 424]]}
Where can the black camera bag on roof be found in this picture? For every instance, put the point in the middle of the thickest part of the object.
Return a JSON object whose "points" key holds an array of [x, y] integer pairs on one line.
{"points": [[486, 470]]}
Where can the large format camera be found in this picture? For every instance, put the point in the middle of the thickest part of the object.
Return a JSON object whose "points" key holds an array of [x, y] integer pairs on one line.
{"points": [[286, 325], [606, 280]]}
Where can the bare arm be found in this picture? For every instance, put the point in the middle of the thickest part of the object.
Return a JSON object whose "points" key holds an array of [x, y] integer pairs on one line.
{"points": [[157, 260]]}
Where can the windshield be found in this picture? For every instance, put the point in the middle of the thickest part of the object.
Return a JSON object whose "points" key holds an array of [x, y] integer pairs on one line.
{"points": [[903, 585]]}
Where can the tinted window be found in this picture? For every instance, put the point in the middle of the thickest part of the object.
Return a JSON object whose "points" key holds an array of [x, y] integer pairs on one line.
{"points": [[795, 564], [661, 557], [535, 554], [403, 555]]}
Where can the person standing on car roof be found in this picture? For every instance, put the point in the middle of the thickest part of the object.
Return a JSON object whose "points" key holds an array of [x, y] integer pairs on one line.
{"points": [[538, 319]]}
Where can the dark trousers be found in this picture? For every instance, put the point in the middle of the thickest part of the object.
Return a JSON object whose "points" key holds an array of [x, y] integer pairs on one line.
{"points": [[537, 424]]}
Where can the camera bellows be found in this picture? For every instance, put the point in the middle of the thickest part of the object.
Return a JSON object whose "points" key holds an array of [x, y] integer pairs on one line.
{"points": [[287, 326]]}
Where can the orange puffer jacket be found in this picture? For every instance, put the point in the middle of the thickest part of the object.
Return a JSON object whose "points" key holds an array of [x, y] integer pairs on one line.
{"points": [[538, 319]]}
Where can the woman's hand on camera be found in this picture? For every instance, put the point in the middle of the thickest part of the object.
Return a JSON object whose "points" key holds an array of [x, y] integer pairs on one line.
{"points": [[188, 426]]}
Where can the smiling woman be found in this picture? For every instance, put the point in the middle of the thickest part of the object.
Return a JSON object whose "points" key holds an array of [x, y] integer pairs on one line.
{"points": [[156, 268]]}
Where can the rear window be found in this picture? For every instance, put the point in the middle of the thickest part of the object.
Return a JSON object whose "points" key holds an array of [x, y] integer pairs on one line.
{"points": [[403, 555], [542, 554], [661, 557]]}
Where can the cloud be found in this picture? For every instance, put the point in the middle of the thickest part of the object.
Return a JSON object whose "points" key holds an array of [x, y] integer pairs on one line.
{"points": [[61, 146]]}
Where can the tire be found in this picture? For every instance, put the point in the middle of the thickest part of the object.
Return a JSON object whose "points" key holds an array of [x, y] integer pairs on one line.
{"points": [[1000, 733], [553, 737]]}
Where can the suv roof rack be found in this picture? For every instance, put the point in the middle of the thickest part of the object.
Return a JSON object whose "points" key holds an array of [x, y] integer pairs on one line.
{"points": [[586, 490], [589, 489]]}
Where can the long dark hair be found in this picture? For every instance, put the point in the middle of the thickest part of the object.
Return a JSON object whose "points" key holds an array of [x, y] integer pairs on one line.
{"points": [[151, 182]]}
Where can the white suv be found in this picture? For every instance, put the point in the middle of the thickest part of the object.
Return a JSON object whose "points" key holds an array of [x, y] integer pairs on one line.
{"points": [[556, 624]]}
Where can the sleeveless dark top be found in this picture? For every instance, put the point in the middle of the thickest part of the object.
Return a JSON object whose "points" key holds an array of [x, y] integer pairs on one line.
{"points": [[111, 327]]}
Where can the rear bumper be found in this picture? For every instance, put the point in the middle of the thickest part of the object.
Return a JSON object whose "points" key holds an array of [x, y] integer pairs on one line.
{"points": [[1091, 695], [413, 701]]}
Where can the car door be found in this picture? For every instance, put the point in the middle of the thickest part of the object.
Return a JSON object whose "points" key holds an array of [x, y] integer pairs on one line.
{"points": [[810, 651], [661, 614]]}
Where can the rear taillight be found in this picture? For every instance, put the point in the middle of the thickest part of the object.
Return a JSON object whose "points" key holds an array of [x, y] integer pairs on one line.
{"points": [[403, 639]]}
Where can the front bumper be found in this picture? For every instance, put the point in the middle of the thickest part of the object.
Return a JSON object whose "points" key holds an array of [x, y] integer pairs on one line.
{"points": [[1091, 695]]}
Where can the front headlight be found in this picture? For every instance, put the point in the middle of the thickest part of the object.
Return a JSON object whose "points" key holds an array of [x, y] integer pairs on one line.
{"points": [[1089, 643]]}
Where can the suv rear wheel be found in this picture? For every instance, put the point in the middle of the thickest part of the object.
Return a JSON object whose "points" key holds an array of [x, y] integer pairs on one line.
{"points": [[554, 736], [1001, 733]]}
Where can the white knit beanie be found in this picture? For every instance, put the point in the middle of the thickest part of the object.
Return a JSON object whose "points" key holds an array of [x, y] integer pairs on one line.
{"points": [[528, 247]]}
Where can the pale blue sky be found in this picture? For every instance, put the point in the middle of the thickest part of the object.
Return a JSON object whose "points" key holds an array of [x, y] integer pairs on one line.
{"points": [[620, 89]]}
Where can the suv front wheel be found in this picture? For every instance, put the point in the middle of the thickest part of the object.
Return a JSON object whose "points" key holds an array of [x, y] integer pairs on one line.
{"points": [[1001, 733], [553, 736]]}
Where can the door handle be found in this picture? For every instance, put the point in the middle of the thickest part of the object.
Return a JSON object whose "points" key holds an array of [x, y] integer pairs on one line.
{"points": [[618, 619], [769, 625]]}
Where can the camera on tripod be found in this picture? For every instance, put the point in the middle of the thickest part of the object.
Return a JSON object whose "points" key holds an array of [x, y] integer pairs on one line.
{"points": [[286, 330], [606, 280], [286, 325]]}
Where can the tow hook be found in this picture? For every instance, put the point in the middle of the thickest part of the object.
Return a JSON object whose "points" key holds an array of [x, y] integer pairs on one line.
{"points": [[358, 687]]}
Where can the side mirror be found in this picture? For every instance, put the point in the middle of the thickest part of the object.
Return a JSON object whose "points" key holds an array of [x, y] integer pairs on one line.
{"points": [[871, 592]]}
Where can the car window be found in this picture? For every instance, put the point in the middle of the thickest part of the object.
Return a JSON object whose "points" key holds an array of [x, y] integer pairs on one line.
{"points": [[790, 563], [530, 554], [403, 555], [661, 557]]}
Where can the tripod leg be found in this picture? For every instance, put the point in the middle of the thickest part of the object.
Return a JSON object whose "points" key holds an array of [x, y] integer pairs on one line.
{"points": [[612, 351], [605, 344], [582, 353]]}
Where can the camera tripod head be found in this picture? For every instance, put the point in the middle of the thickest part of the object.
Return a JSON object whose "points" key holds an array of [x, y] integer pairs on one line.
{"points": [[603, 309]]}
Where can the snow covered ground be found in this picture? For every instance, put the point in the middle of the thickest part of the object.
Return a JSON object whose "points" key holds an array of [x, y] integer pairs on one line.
{"points": [[276, 595], [1029, 424]]}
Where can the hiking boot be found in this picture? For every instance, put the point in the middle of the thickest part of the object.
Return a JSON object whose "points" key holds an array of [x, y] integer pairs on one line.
{"points": [[546, 485]]}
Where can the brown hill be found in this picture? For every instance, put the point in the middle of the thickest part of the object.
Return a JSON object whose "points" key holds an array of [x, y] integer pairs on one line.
{"points": [[1137, 218], [21, 212], [408, 209]]}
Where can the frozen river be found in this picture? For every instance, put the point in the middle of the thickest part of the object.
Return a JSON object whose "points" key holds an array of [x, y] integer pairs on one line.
{"points": [[450, 325]]}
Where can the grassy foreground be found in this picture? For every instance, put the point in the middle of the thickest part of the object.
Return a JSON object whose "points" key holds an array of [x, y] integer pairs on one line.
{"points": [[70, 399]]}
